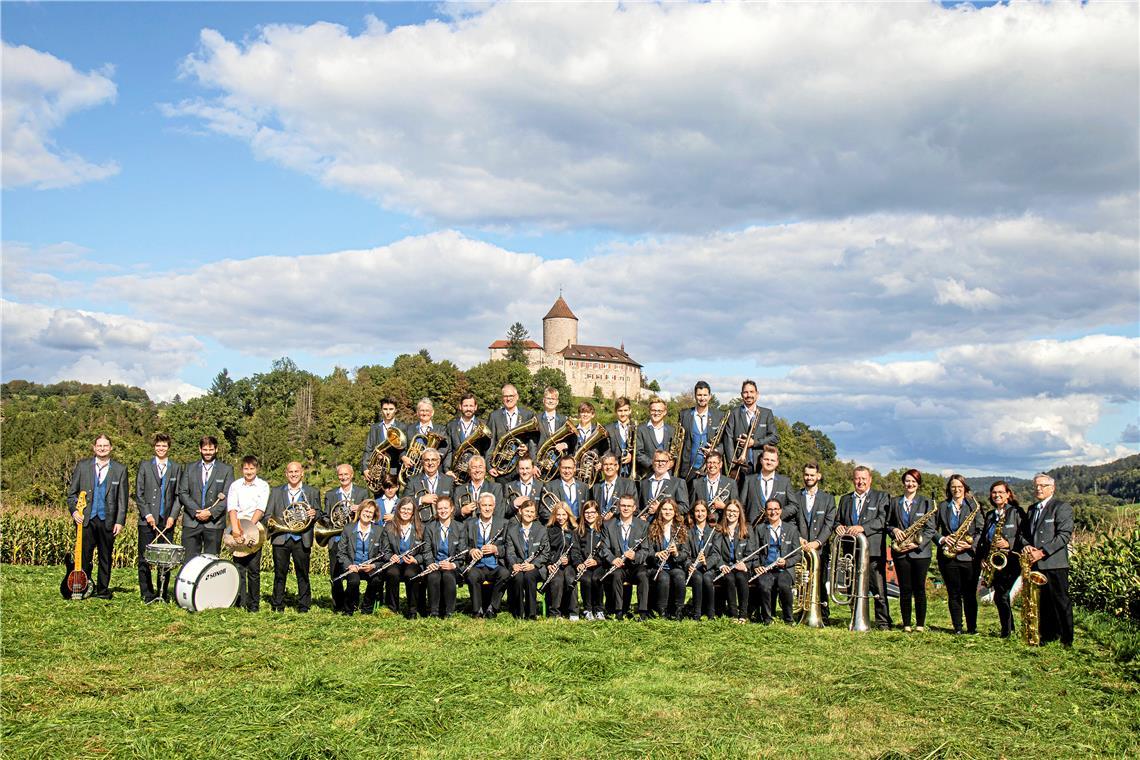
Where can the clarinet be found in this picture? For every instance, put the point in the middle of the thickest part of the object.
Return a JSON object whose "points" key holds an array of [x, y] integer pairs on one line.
{"points": [[452, 558], [745, 559], [593, 549], [772, 566], [634, 548], [368, 561], [395, 558], [705, 545], [494, 540], [565, 553], [661, 566], [526, 561]]}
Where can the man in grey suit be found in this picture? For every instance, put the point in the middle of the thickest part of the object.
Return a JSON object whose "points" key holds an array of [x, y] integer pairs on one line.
{"points": [[505, 419], [105, 483], [749, 416], [609, 490], [621, 440], [865, 511], [288, 546], [202, 490], [768, 484], [156, 493], [701, 424], [350, 496], [1047, 531], [423, 425], [655, 435], [459, 430]]}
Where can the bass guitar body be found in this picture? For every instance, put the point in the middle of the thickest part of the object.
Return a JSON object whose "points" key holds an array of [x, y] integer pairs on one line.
{"points": [[75, 583]]}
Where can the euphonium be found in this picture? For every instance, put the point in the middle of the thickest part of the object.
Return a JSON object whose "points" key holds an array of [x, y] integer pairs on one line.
{"points": [[850, 577], [505, 458], [294, 519], [380, 462], [467, 449], [996, 558], [1031, 582], [420, 443], [587, 458], [548, 456], [806, 607], [961, 534]]}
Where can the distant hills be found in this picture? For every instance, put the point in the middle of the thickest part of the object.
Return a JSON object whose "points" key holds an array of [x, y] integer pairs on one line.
{"points": [[1119, 478]]}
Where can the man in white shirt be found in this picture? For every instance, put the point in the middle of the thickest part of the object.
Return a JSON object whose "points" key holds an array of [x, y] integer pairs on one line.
{"points": [[246, 502]]}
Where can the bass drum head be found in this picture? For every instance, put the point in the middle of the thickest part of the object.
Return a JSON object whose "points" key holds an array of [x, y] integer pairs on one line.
{"points": [[206, 582]]}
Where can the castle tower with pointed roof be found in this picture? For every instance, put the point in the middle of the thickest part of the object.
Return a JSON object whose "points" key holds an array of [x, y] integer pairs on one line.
{"points": [[585, 366]]}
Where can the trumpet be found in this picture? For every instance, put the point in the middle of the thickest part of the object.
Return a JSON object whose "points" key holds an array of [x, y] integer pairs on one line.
{"points": [[849, 578], [380, 461]]}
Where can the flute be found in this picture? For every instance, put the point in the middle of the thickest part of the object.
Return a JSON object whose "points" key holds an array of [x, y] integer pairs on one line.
{"points": [[368, 561], [429, 569], [395, 558]]}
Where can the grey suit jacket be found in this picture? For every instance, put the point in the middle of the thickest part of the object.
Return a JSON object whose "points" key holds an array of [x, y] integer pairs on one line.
{"points": [[349, 539], [922, 505], [118, 491], [873, 518], [714, 420], [456, 542], [753, 497], [622, 487], [612, 548], [647, 445], [190, 495], [1010, 529], [506, 509], [544, 429], [466, 492], [539, 546], [789, 540], [672, 487], [617, 444], [819, 524], [764, 433], [699, 491], [279, 500], [1051, 534], [412, 429], [151, 493]]}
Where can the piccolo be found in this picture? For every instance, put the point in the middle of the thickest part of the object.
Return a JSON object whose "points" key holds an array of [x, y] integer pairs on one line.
{"points": [[494, 541], [368, 561], [772, 566], [396, 558], [729, 567], [705, 545], [633, 548]]}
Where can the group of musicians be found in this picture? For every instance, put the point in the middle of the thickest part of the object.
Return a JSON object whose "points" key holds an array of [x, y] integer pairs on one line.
{"points": [[525, 505]]}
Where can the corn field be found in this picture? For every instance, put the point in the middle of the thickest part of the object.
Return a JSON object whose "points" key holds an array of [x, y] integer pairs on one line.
{"points": [[38, 536]]}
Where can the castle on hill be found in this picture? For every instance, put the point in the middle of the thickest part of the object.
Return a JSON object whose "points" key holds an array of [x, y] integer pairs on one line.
{"points": [[585, 366]]}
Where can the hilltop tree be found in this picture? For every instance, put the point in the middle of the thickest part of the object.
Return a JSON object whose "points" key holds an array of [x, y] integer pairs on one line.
{"points": [[517, 337]]}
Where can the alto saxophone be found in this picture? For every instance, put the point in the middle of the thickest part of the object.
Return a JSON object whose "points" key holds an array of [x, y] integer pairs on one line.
{"points": [[911, 534], [996, 558], [961, 534]]}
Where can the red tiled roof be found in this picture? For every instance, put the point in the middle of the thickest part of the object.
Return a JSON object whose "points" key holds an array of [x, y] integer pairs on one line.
{"points": [[507, 343], [597, 354], [560, 309]]}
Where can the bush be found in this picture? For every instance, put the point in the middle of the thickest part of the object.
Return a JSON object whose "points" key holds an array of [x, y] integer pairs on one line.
{"points": [[1105, 573]]}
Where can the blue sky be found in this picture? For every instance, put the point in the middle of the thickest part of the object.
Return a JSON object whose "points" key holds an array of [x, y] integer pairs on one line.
{"points": [[892, 241]]}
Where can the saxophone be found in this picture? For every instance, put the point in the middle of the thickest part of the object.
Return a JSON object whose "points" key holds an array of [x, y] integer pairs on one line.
{"points": [[1032, 580], [996, 558], [961, 534], [911, 534]]}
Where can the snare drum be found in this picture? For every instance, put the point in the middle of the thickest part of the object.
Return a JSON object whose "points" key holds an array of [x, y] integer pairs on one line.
{"points": [[206, 582], [164, 555]]}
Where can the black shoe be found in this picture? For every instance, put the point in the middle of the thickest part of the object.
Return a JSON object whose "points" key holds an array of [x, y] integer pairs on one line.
{"points": [[102, 595], [278, 609], [643, 616]]}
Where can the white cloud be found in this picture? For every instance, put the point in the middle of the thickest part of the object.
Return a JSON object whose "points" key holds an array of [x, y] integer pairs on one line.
{"points": [[957, 293], [47, 345], [30, 272], [694, 117], [40, 93]]}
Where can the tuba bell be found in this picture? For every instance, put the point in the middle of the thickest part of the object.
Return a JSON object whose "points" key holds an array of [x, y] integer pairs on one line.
{"points": [[587, 458], [548, 456], [807, 609], [420, 443], [380, 461], [466, 450], [510, 448], [850, 577]]}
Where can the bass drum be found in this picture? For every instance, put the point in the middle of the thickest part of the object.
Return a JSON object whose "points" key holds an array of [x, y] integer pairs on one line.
{"points": [[206, 582]]}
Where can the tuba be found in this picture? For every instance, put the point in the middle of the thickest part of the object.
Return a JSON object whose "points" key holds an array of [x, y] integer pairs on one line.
{"points": [[504, 459], [380, 462], [420, 443], [547, 457], [587, 458], [850, 577], [466, 450], [294, 519], [806, 607]]}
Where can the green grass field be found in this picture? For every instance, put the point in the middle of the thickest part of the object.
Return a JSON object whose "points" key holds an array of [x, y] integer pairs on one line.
{"points": [[120, 679]]}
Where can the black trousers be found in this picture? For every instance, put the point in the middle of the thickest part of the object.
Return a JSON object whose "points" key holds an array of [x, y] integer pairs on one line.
{"points": [[561, 593], [524, 588], [635, 575], [147, 536], [336, 569], [441, 587], [591, 583], [1056, 608], [300, 556], [912, 587], [735, 586], [704, 595], [878, 586], [1002, 585], [773, 585], [497, 576], [399, 573], [670, 592], [351, 601], [249, 581], [961, 590], [201, 541], [98, 535]]}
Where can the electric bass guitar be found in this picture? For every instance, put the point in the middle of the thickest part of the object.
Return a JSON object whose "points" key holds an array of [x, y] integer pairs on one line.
{"points": [[75, 583]]}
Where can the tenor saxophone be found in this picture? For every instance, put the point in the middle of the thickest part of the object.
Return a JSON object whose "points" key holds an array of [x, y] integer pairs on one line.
{"points": [[1032, 581]]}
